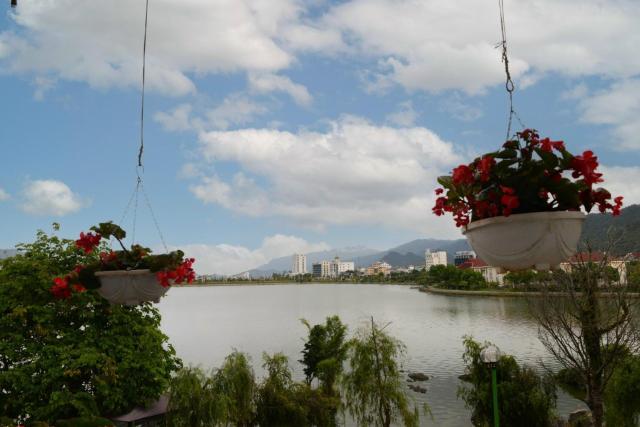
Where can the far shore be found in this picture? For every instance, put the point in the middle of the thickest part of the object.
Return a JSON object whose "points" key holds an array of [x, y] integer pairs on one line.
{"points": [[508, 293], [266, 283]]}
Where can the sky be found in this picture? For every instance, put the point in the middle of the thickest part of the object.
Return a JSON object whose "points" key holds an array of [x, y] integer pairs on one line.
{"points": [[281, 126]]}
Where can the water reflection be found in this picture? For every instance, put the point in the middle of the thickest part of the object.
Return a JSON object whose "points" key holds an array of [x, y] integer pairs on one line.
{"points": [[207, 323]]}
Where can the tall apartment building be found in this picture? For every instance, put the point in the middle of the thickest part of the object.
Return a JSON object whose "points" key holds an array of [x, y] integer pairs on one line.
{"points": [[434, 258], [463, 256], [299, 264], [332, 268]]}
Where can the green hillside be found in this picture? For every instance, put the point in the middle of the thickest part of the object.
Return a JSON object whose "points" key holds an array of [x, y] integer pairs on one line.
{"points": [[600, 230]]}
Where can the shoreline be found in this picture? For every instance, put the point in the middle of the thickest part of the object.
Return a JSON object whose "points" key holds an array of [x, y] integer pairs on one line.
{"points": [[259, 283], [518, 294]]}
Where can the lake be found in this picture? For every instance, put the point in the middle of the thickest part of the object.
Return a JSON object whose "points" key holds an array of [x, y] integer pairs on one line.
{"points": [[206, 323]]}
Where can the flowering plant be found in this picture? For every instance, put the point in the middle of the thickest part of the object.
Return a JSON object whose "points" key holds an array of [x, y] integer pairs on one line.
{"points": [[528, 174], [169, 268]]}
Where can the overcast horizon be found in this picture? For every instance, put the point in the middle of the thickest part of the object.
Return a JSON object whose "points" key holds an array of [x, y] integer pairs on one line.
{"points": [[285, 126]]}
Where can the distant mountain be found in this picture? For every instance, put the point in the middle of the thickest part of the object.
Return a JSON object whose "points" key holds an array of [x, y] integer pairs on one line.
{"points": [[402, 260], [6, 253], [625, 228], [283, 264], [599, 230]]}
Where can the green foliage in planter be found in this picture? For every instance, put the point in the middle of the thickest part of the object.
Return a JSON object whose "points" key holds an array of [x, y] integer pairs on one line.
{"points": [[74, 357], [524, 398]]}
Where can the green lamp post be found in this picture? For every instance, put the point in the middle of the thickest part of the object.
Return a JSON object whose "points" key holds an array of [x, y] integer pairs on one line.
{"points": [[490, 356]]}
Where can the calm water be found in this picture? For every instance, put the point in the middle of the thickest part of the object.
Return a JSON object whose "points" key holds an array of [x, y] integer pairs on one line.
{"points": [[207, 323]]}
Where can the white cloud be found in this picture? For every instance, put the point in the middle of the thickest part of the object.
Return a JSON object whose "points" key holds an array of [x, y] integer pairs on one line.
{"points": [[3, 195], [355, 173], [177, 119], [230, 259], [622, 181], [50, 197], [436, 45], [405, 116], [460, 110], [234, 110], [265, 83], [101, 42], [619, 107]]}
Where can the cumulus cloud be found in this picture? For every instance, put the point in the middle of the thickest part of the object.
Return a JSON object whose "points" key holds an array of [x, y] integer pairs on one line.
{"points": [[236, 109], [405, 116], [101, 43], [434, 45], [619, 107], [623, 181], [354, 173], [50, 197], [3, 195], [230, 259], [265, 83]]}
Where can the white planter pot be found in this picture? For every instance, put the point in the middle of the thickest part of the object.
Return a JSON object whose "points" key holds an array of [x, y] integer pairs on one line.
{"points": [[130, 287], [540, 240]]}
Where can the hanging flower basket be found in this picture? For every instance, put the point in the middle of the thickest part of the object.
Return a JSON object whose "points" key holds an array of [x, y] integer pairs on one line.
{"points": [[521, 206], [130, 287], [540, 240], [128, 276]]}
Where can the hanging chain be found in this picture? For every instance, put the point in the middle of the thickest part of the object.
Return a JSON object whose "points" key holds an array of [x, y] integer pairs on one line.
{"points": [[509, 85]]}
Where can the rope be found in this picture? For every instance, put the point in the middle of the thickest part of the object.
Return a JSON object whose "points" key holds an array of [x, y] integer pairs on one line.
{"points": [[144, 63], [135, 212], [509, 85], [155, 221]]}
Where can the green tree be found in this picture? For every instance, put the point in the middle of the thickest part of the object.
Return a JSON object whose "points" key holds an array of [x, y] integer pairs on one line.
{"points": [[324, 353], [622, 396], [373, 387], [235, 385], [76, 357], [193, 401], [525, 398], [281, 401]]}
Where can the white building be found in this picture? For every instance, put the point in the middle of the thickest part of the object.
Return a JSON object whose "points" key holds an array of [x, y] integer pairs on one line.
{"points": [[299, 264], [332, 268], [338, 267], [434, 258], [463, 256]]}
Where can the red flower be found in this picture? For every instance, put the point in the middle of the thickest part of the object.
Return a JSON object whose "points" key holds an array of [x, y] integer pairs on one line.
{"points": [[183, 273], [548, 145], [79, 287], [528, 135], [107, 257], [484, 166], [439, 208], [509, 200], [88, 242], [615, 210], [586, 166], [439, 191], [463, 175], [60, 288]]}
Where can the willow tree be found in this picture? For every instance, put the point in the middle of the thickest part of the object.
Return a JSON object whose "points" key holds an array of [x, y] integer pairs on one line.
{"points": [[591, 328], [374, 392]]}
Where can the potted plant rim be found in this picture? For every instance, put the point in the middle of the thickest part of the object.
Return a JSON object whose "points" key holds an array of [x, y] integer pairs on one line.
{"points": [[127, 276], [522, 206]]}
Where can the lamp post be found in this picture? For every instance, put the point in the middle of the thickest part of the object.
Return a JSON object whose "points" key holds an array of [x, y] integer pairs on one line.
{"points": [[490, 356]]}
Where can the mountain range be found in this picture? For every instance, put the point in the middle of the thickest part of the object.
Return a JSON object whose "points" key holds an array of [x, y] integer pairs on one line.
{"points": [[598, 231]]}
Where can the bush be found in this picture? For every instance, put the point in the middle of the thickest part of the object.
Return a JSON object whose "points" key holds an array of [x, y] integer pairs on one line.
{"points": [[524, 398], [86, 356]]}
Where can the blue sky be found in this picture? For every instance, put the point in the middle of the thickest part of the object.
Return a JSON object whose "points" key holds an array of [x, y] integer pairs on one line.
{"points": [[287, 125]]}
